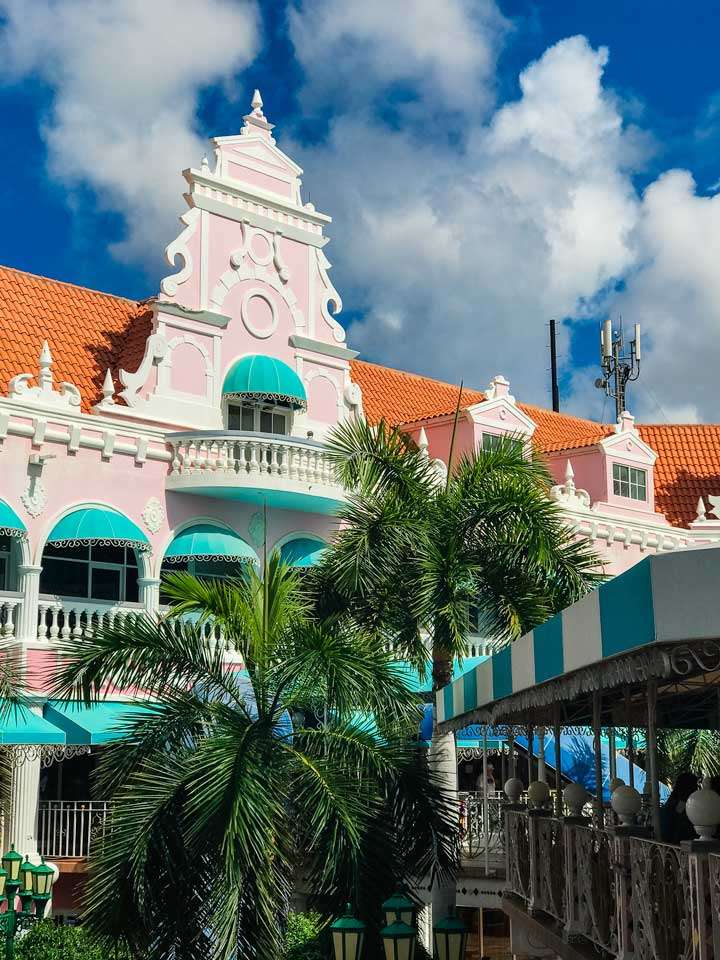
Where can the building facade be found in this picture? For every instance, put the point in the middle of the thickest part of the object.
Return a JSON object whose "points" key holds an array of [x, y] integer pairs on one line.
{"points": [[188, 430]]}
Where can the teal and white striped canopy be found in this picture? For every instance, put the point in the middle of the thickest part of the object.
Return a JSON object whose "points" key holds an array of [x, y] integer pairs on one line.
{"points": [[10, 523], [665, 598]]}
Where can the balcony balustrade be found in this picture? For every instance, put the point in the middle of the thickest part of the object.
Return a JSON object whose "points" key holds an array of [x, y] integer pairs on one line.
{"points": [[65, 617], [287, 471], [627, 896], [10, 604], [70, 828]]}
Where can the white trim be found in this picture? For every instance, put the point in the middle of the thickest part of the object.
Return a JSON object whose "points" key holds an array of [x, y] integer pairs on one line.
{"points": [[253, 193], [260, 220]]}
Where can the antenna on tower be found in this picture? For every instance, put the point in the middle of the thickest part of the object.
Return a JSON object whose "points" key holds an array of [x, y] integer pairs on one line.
{"points": [[619, 368]]}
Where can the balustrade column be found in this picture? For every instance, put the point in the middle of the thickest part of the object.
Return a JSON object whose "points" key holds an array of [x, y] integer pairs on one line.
{"points": [[29, 586]]}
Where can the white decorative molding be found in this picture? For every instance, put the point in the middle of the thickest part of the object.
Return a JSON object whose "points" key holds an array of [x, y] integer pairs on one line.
{"points": [[331, 296], [153, 515], [353, 398], [180, 247], [35, 497], [156, 348], [261, 332], [567, 493], [44, 394], [715, 504], [241, 270], [256, 528], [499, 387]]}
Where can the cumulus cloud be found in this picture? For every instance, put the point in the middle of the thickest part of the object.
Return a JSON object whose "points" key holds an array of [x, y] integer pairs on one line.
{"points": [[125, 75], [470, 249], [352, 50]]}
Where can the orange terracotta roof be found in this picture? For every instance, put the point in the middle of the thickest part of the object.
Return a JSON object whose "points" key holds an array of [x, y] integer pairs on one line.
{"points": [[87, 331], [687, 467]]}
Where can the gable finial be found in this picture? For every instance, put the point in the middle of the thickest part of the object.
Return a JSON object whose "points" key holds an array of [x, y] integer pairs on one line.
{"points": [[45, 377], [257, 103], [108, 388], [256, 121], [422, 441], [700, 511]]}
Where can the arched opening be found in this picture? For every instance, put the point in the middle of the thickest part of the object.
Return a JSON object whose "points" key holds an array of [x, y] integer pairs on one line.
{"points": [[208, 551], [260, 395], [12, 534]]}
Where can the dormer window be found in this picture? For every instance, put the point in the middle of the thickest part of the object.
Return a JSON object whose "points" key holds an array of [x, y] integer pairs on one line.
{"points": [[492, 442], [629, 482], [260, 395]]}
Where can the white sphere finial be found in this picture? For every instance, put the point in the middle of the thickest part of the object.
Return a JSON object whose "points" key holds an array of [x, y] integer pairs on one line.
{"points": [[513, 789], [703, 811], [627, 804]]}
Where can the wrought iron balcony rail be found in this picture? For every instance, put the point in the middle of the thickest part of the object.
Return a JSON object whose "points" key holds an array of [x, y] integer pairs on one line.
{"points": [[70, 828]]}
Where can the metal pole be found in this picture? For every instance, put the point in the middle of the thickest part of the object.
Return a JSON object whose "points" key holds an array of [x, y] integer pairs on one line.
{"points": [[597, 749], [652, 756], [541, 753], [486, 801], [503, 766], [553, 368], [558, 764], [630, 738], [613, 755], [531, 750], [511, 744]]}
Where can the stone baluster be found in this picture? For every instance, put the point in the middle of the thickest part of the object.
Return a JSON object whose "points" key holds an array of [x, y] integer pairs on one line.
{"points": [[42, 631], [292, 457], [274, 467], [8, 608], [175, 463], [54, 621], [253, 466], [77, 630]]}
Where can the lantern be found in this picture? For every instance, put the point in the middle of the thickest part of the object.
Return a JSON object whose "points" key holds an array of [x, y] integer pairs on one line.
{"points": [[399, 907], [11, 862], [399, 941], [348, 936], [42, 880], [3, 880], [26, 875], [450, 938]]}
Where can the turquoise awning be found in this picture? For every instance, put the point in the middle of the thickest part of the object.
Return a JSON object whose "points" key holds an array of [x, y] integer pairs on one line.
{"points": [[98, 525], [302, 552], [94, 725], [203, 541], [10, 523], [20, 725], [264, 378]]}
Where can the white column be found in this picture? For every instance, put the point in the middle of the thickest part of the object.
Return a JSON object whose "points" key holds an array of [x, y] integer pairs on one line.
{"points": [[29, 586], [22, 829], [150, 593], [442, 758]]}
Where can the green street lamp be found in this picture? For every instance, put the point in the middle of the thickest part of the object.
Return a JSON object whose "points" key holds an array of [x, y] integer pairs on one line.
{"points": [[450, 938], [399, 907], [399, 941], [32, 884], [348, 935]]}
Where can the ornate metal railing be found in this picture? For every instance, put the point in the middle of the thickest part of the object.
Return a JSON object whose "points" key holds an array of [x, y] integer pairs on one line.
{"points": [[547, 859], [517, 853], [589, 862], [481, 825], [70, 828], [626, 896], [660, 901]]}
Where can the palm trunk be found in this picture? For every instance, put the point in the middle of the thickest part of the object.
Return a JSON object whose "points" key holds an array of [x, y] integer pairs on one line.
{"points": [[442, 659]]}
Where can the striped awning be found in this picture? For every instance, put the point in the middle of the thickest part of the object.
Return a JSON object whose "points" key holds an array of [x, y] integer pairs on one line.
{"points": [[665, 598]]}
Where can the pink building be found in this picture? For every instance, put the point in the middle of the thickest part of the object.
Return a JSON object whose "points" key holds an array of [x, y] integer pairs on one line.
{"points": [[138, 435]]}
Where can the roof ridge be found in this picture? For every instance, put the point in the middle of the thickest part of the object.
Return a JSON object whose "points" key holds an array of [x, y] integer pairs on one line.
{"points": [[67, 283], [417, 376]]}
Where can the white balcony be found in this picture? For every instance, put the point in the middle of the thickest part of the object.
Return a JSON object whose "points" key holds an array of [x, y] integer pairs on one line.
{"points": [[10, 604], [284, 472], [70, 828], [65, 617]]}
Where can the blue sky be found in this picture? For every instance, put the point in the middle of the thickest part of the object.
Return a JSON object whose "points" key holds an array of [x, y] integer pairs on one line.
{"points": [[487, 165]]}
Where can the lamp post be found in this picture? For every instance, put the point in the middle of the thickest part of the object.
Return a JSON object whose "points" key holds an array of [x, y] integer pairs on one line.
{"points": [[450, 938], [348, 934], [32, 884]]}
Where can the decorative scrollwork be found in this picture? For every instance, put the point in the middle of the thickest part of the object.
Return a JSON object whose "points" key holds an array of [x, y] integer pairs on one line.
{"points": [[549, 893], [47, 754], [702, 657], [592, 886], [660, 901], [518, 847]]}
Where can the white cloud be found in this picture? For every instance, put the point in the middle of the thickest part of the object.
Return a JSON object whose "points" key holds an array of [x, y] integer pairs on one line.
{"points": [[351, 50], [473, 248], [125, 75]]}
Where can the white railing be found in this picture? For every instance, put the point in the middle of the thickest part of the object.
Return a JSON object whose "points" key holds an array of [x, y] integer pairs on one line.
{"points": [[70, 828], [233, 456], [65, 617], [482, 831], [10, 603]]}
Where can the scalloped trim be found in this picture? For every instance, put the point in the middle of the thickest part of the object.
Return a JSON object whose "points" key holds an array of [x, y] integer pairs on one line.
{"points": [[13, 532], [140, 545], [296, 402], [206, 558]]}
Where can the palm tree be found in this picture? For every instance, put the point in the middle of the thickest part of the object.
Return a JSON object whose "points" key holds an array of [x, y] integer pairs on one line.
{"points": [[417, 552], [239, 781], [682, 751]]}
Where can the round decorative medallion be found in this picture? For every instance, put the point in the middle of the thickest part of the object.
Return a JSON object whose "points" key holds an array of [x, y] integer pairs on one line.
{"points": [[257, 293], [260, 249], [153, 515], [35, 497]]}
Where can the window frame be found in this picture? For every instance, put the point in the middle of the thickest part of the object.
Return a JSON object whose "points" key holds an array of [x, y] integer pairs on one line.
{"points": [[259, 408], [92, 564], [633, 481]]}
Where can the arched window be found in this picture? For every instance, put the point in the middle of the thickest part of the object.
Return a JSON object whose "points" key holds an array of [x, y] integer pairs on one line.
{"points": [[92, 553], [260, 394], [12, 532], [207, 551]]}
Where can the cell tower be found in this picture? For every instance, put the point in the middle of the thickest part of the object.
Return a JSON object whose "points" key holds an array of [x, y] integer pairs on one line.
{"points": [[618, 368]]}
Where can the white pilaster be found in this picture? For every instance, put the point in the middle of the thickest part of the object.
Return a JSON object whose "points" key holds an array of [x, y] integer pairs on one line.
{"points": [[29, 586], [442, 758], [22, 829], [150, 593]]}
